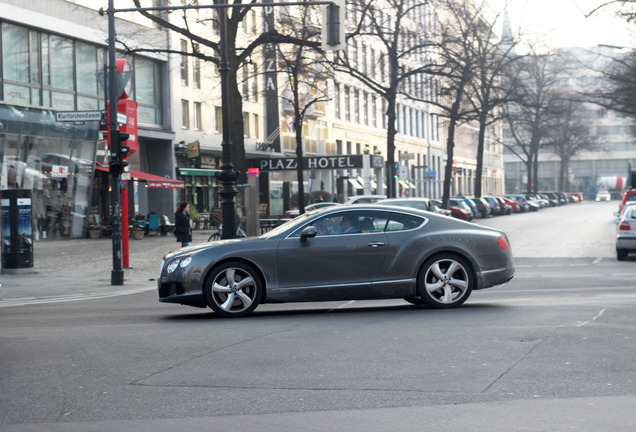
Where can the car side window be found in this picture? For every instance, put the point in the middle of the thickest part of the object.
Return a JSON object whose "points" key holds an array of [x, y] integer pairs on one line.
{"points": [[403, 222], [348, 222]]}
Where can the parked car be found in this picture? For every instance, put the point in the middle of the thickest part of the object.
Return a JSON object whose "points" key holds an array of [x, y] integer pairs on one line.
{"points": [[483, 208], [542, 202], [425, 204], [628, 195], [626, 232], [494, 205], [392, 252], [521, 201], [504, 209], [440, 209], [470, 203], [460, 209], [552, 198], [514, 205], [364, 199], [603, 195], [310, 207]]}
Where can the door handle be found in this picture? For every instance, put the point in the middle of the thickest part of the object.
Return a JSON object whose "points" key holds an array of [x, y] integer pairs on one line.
{"points": [[376, 244]]}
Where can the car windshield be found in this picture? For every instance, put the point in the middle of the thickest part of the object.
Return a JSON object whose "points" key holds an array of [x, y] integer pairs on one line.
{"points": [[284, 227]]}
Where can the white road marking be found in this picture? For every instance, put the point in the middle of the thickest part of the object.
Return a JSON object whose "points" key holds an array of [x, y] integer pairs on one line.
{"points": [[23, 301], [581, 324]]}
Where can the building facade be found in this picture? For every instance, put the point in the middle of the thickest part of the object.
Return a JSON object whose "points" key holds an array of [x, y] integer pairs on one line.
{"points": [[53, 55]]}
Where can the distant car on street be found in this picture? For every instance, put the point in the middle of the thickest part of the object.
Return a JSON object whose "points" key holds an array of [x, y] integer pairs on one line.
{"points": [[603, 195], [360, 252]]}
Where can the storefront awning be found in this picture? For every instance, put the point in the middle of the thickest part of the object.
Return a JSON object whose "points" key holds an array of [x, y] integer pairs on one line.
{"points": [[355, 184], [404, 184], [206, 172], [152, 181]]}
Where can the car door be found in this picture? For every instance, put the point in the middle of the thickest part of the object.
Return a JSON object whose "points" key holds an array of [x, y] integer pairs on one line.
{"points": [[336, 263]]}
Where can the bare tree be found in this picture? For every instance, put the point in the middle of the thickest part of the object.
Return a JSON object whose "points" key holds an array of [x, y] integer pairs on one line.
{"points": [[307, 72], [617, 87], [461, 28], [240, 50], [494, 56], [570, 136], [534, 108], [398, 54]]}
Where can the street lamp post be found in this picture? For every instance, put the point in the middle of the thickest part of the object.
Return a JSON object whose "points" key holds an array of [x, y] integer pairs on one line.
{"points": [[228, 172], [117, 274]]}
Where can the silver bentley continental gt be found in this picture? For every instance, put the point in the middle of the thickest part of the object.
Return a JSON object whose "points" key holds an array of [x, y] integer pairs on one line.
{"points": [[357, 252]]}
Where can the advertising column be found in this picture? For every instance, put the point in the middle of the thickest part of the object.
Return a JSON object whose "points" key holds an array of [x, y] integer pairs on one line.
{"points": [[17, 230]]}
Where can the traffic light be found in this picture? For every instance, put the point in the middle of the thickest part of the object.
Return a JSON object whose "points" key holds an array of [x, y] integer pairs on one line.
{"points": [[333, 25], [118, 160]]}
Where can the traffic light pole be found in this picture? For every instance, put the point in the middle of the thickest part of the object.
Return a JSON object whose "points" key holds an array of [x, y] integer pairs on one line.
{"points": [[117, 274]]}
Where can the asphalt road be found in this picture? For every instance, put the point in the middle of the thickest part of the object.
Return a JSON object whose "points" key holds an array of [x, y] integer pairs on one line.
{"points": [[553, 350]]}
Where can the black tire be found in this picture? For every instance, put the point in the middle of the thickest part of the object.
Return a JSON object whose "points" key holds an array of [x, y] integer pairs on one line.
{"points": [[445, 281], [415, 300], [233, 290], [621, 254]]}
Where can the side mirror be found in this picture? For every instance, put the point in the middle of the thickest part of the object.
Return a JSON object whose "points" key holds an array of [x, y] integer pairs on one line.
{"points": [[309, 232]]}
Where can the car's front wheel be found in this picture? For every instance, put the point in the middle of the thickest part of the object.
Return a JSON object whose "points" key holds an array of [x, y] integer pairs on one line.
{"points": [[445, 281], [233, 290]]}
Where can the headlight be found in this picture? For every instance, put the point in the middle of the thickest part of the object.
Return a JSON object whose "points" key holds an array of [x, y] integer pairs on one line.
{"points": [[185, 262], [173, 266]]}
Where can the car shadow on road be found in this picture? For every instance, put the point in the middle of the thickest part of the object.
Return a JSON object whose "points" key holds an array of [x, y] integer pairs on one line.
{"points": [[290, 310]]}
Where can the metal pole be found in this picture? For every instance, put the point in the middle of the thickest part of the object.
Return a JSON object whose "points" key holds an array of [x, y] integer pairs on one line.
{"points": [[117, 274], [228, 172]]}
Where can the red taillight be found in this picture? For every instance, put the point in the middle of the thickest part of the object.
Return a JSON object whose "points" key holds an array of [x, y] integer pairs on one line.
{"points": [[624, 226], [503, 242]]}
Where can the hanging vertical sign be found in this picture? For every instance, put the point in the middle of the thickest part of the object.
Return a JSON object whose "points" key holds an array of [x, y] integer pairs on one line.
{"points": [[270, 89]]}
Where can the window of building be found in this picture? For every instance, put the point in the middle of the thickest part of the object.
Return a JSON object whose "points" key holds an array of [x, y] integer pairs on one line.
{"points": [[347, 102], [196, 115], [147, 94], [218, 120], [254, 83], [336, 97], [52, 71], [185, 114], [356, 105], [196, 73], [257, 126], [246, 124], [184, 63]]}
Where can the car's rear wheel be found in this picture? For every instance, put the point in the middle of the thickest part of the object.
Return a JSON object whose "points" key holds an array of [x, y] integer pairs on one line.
{"points": [[445, 281], [233, 290], [621, 254]]}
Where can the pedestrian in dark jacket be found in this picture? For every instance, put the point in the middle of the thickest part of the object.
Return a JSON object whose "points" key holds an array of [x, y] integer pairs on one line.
{"points": [[182, 228]]}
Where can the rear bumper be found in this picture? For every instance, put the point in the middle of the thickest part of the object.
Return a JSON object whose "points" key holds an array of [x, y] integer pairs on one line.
{"points": [[626, 243]]}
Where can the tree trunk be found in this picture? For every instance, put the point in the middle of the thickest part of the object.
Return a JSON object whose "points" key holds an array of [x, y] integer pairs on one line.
{"points": [[480, 156]]}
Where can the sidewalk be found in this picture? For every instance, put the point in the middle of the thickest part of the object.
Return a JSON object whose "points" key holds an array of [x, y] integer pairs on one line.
{"points": [[67, 270]]}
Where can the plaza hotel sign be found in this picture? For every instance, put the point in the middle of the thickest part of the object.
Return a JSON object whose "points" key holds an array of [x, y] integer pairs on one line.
{"points": [[316, 162]]}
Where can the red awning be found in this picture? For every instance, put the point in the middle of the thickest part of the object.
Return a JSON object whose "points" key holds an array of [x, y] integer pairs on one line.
{"points": [[153, 181]]}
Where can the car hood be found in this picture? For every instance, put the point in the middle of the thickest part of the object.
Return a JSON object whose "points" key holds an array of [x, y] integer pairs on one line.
{"points": [[189, 250]]}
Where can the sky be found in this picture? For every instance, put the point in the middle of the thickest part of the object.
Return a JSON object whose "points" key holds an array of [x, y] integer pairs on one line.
{"points": [[563, 22]]}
